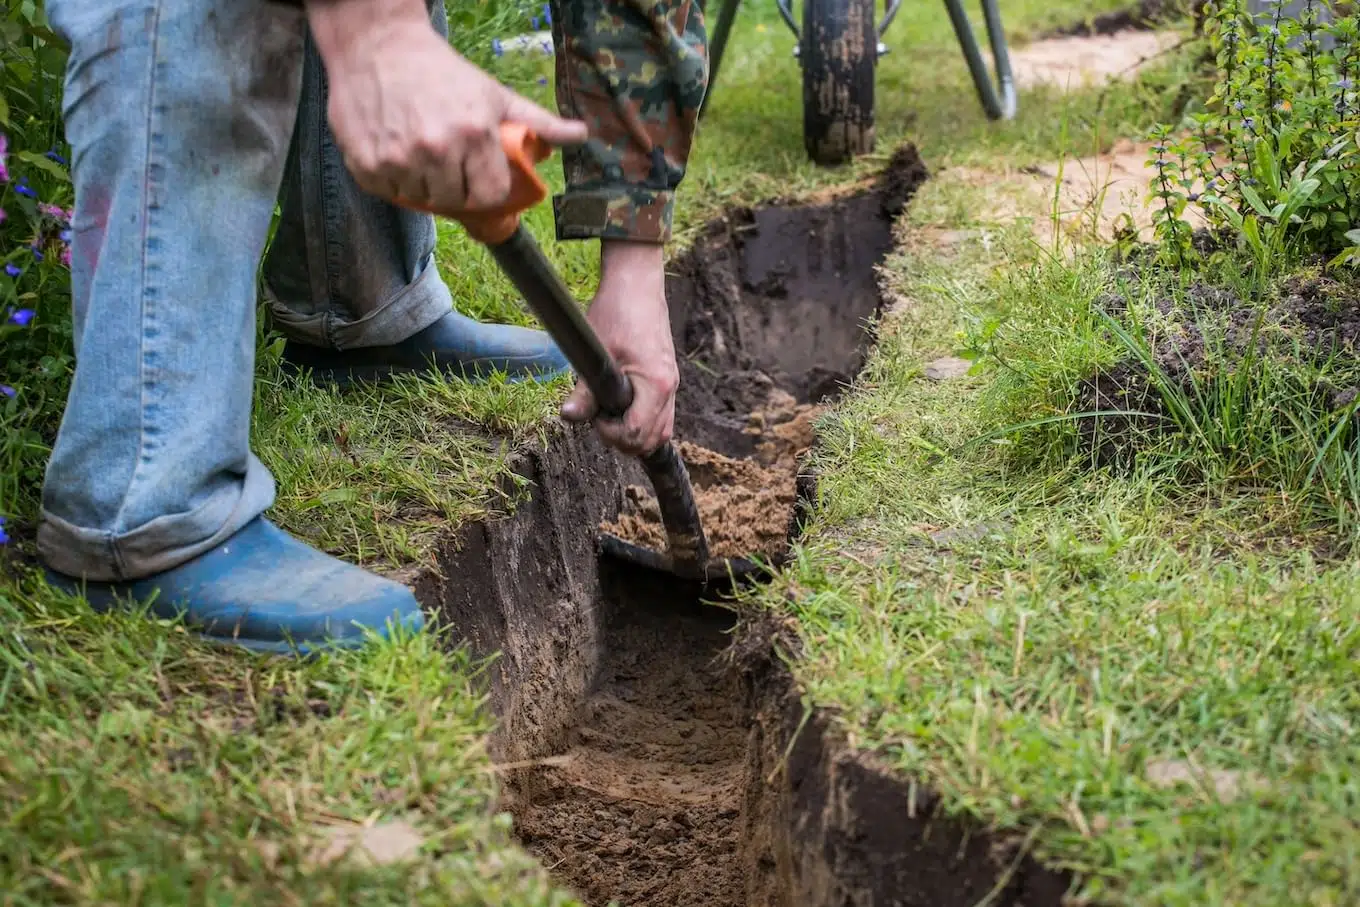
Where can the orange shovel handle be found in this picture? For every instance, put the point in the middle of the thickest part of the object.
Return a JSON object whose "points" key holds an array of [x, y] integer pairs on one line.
{"points": [[523, 149]]}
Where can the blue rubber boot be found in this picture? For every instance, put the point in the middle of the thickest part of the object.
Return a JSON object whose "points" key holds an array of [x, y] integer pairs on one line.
{"points": [[266, 591], [455, 345]]}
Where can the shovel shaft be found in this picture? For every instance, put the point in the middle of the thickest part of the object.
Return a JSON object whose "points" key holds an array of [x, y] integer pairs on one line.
{"points": [[538, 282], [523, 261]]}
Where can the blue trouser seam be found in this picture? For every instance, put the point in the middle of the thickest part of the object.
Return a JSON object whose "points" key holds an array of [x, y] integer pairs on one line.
{"points": [[148, 197]]}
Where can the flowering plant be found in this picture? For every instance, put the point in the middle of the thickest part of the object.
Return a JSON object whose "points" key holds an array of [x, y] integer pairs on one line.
{"points": [[35, 238], [1274, 153]]}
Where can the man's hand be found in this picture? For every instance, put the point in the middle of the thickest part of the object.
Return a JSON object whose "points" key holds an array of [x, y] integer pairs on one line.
{"points": [[414, 119], [629, 313]]}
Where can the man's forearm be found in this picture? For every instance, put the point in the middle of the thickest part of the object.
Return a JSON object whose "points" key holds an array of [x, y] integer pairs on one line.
{"points": [[637, 268], [636, 72], [336, 23]]}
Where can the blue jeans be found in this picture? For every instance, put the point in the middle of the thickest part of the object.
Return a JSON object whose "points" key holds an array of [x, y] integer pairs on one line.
{"points": [[188, 121]]}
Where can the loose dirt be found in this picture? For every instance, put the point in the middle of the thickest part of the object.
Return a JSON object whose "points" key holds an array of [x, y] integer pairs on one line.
{"points": [[643, 809], [744, 504], [1096, 195], [1075, 62]]}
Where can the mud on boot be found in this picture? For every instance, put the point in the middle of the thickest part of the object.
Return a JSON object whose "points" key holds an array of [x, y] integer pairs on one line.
{"points": [[266, 591]]}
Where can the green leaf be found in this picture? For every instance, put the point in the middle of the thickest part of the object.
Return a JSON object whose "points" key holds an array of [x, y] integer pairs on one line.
{"points": [[1267, 165], [1344, 257], [4, 111], [45, 164], [1252, 231], [1254, 199]]}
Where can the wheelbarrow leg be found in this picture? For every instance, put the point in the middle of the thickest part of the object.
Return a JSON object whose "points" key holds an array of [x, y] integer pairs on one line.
{"points": [[998, 100], [722, 30]]}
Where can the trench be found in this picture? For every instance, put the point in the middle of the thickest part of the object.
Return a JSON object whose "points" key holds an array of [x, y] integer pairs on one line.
{"points": [[653, 745]]}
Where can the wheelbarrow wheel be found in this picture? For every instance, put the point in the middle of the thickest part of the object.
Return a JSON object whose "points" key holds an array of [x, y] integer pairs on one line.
{"points": [[838, 53]]}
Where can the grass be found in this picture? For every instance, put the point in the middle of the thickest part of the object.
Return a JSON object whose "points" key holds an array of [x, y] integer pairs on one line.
{"points": [[1155, 675], [141, 765], [142, 768]]}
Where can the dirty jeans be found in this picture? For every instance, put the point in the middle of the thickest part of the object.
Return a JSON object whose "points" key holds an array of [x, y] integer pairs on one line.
{"points": [[181, 118]]}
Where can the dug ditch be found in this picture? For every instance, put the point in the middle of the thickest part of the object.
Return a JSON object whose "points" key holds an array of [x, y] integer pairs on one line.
{"points": [[654, 749]]}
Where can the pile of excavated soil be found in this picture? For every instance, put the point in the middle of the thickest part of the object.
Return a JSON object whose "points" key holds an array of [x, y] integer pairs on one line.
{"points": [[744, 504], [643, 809]]}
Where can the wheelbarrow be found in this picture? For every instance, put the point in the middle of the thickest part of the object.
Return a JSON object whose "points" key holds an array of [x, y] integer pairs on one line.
{"points": [[838, 47]]}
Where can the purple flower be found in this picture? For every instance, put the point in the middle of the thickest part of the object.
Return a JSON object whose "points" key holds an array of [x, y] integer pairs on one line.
{"points": [[12, 270], [496, 47], [37, 252], [533, 22], [53, 156], [54, 211], [7, 391], [66, 256], [4, 536], [547, 15], [543, 80], [23, 188], [21, 317], [65, 236]]}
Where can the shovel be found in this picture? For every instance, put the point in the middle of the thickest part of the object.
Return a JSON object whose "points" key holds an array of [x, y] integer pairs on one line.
{"points": [[523, 261]]}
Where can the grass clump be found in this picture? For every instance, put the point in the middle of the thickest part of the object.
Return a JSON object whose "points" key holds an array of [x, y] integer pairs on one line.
{"points": [[1223, 355], [1199, 384]]}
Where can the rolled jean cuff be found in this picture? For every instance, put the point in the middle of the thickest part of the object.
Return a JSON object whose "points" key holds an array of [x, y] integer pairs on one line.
{"points": [[411, 310], [162, 544], [628, 213]]}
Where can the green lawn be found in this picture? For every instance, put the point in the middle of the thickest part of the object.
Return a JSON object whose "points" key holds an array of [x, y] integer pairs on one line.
{"points": [[1083, 640]]}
